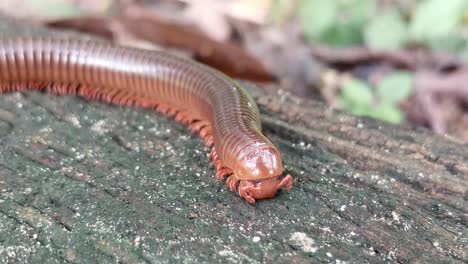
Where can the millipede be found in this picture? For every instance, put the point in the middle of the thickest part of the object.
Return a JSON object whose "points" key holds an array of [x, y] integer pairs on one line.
{"points": [[211, 104]]}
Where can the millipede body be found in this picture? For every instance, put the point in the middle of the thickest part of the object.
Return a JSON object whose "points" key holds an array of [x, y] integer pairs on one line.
{"points": [[209, 102]]}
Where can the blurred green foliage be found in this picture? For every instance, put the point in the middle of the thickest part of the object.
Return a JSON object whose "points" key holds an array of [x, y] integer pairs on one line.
{"points": [[387, 31], [335, 22], [381, 102], [58, 9], [434, 24], [55, 8]]}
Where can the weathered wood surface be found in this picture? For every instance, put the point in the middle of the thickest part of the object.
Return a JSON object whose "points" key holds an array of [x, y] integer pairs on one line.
{"points": [[84, 182]]}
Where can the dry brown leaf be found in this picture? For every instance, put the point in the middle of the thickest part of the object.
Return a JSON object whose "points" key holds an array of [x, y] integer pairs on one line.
{"points": [[227, 57]]}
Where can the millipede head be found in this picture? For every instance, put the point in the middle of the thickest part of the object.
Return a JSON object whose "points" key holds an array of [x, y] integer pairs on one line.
{"points": [[253, 190], [258, 163]]}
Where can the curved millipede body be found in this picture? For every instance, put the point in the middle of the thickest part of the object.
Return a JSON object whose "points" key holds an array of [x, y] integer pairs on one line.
{"points": [[209, 102]]}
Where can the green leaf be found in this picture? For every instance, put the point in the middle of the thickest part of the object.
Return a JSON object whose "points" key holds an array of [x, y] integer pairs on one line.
{"points": [[463, 54], [357, 9], [395, 87], [361, 110], [316, 16], [344, 34], [387, 112], [452, 43], [436, 18], [387, 31], [356, 92], [60, 9], [320, 20]]}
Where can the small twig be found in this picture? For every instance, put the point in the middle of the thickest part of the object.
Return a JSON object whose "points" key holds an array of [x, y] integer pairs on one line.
{"points": [[409, 59]]}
